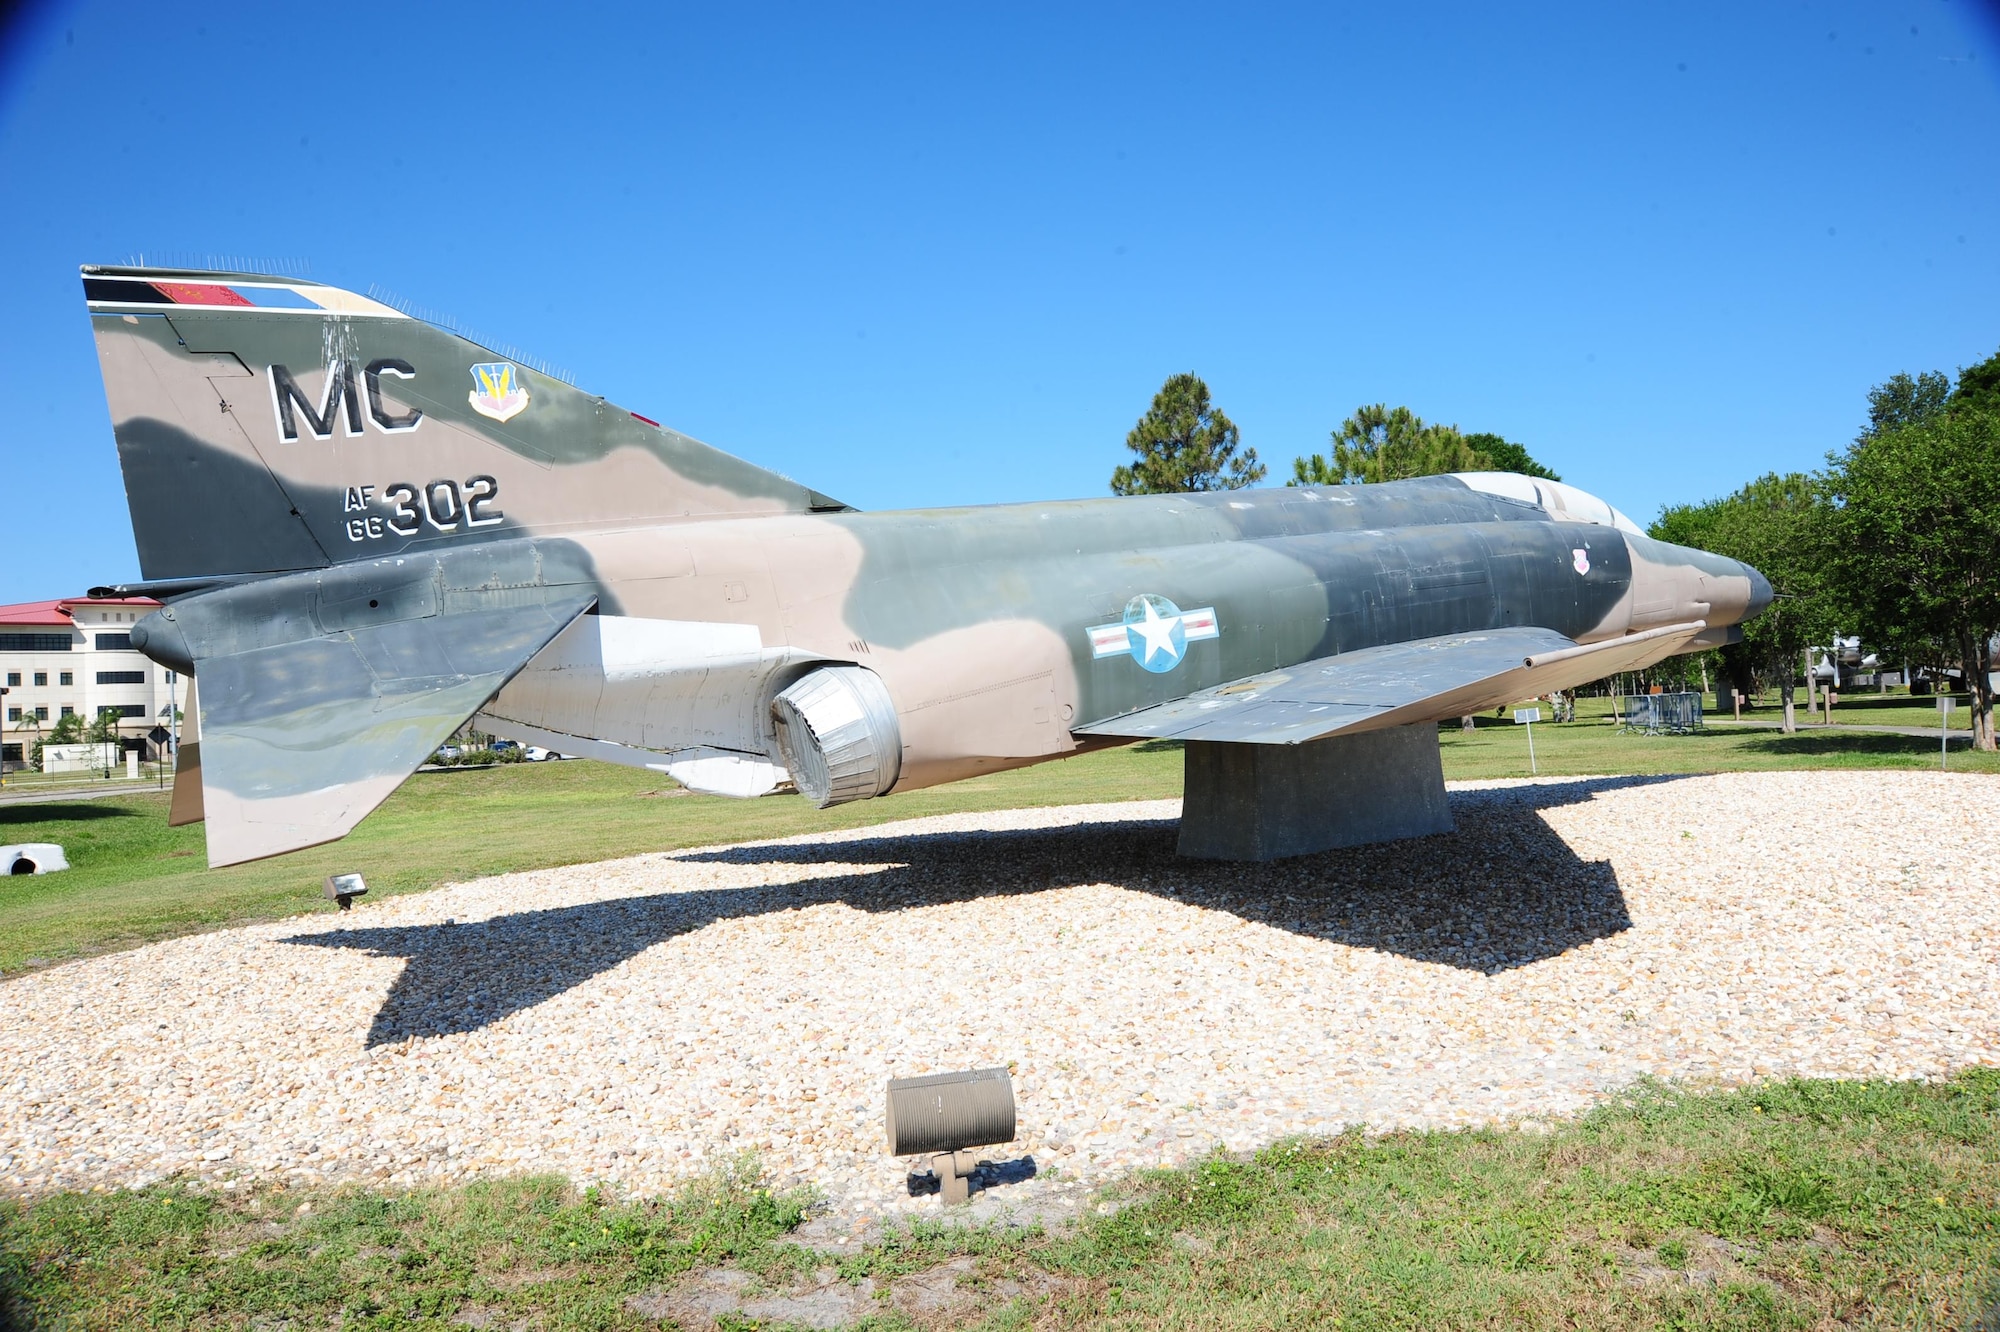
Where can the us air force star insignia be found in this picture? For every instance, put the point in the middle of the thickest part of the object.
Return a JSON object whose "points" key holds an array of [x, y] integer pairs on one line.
{"points": [[1154, 632]]}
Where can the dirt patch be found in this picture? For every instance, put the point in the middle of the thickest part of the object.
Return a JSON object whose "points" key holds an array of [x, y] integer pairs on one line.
{"points": [[941, 1296], [1699, 1260]]}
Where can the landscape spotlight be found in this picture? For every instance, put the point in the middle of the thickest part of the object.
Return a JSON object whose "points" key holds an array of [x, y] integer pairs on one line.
{"points": [[944, 1114], [342, 889]]}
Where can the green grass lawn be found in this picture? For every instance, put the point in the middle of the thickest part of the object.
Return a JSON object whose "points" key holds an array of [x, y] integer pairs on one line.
{"points": [[135, 879], [1790, 1205], [1895, 708], [1594, 746]]}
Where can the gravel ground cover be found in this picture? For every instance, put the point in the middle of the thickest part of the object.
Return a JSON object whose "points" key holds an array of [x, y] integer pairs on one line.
{"points": [[629, 1021]]}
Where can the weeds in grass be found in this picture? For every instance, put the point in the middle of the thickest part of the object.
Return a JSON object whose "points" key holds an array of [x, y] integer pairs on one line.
{"points": [[173, 1256], [1787, 1205]]}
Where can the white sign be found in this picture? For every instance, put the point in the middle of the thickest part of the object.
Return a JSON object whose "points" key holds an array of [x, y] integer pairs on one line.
{"points": [[1522, 716], [1945, 702]]}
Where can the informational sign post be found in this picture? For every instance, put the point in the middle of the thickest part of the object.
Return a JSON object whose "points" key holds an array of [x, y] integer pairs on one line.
{"points": [[1528, 717], [1944, 702]]}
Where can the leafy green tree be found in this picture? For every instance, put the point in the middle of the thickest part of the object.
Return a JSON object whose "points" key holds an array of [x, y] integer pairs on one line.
{"points": [[1978, 385], [1905, 401], [1314, 470], [1506, 456], [1916, 525], [104, 731], [68, 730], [1185, 443], [32, 753], [1383, 443], [1779, 526]]}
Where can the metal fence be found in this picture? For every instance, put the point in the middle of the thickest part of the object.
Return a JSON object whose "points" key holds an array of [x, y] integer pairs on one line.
{"points": [[1663, 714]]}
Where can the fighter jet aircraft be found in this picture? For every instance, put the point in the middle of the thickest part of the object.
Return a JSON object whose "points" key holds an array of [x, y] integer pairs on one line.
{"points": [[368, 530]]}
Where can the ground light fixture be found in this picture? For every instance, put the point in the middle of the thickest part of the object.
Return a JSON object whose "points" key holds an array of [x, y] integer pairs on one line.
{"points": [[945, 1115], [342, 889]]}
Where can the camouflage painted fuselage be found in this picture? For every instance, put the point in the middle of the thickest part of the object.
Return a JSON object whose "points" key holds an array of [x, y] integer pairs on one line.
{"points": [[368, 529], [977, 619]]}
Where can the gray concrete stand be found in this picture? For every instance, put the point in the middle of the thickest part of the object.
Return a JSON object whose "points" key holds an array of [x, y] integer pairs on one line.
{"points": [[1265, 802]]}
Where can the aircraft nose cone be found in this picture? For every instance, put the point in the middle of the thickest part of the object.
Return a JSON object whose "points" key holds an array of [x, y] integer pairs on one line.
{"points": [[1760, 592]]}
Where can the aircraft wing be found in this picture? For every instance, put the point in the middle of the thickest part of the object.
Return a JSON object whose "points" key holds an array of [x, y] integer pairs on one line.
{"points": [[321, 691], [1425, 680]]}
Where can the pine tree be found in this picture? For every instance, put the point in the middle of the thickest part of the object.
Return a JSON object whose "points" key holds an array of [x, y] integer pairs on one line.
{"points": [[1185, 443]]}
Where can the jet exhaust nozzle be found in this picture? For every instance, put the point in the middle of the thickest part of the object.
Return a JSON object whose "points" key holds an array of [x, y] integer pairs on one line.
{"points": [[838, 733]]}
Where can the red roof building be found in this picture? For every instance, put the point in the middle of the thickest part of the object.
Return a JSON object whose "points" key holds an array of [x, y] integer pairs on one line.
{"points": [[75, 655]]}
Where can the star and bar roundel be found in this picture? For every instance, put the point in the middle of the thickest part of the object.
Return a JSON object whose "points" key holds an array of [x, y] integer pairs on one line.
{"points": [[1155, 632]]}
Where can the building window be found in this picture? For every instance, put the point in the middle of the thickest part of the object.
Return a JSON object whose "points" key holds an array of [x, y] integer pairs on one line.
{"points": [[41, 679], [121, 677], [42, 712], [68, 711], [14, 679], [114, 642], [13, 714], [35, 642], [119, 709], [67, 677]]}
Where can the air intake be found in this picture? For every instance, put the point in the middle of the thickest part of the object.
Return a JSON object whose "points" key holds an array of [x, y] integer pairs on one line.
{"points": [[837, 729]]}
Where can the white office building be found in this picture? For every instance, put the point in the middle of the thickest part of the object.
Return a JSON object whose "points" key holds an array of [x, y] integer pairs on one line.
{"points": [[75, 656]]}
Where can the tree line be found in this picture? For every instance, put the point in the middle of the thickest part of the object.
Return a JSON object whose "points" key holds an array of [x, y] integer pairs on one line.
{"points": [[1896, 539], [1185, 443], [68, 729]]}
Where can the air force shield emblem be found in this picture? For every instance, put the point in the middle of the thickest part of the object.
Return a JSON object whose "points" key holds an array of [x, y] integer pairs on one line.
{"points": [[498, 391]]}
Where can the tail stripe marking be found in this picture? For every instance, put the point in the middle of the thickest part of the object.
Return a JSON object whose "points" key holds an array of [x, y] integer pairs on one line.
{"points": [[194, 293]]}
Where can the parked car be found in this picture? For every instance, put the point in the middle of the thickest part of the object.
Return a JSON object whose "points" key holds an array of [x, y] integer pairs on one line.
{"points": [[536, 754], [446, 754], [502, 746]]}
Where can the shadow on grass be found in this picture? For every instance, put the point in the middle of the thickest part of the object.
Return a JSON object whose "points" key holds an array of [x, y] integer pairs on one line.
{"points": [[1861, 744], [55, 811], [1499, 891]]}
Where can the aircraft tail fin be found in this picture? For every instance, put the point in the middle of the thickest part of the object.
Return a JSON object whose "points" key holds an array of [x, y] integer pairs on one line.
{"points": [[267, 424]]}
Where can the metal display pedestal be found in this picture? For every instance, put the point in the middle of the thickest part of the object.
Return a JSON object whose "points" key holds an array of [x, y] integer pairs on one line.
{"points": [[1266, 802]]}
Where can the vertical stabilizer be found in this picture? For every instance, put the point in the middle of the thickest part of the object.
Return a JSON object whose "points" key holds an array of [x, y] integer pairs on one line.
{"points": [[268, 424]]}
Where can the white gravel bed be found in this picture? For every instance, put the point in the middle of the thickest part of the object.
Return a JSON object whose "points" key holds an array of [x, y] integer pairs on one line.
{"points": [[630, 1020]]}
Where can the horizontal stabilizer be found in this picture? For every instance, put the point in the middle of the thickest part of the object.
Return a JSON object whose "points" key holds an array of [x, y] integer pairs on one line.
{"points": [[1428, 680], [320, 692]]}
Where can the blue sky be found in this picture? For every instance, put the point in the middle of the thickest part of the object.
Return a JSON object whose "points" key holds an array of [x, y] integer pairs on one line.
{"points": [[938, 255]]}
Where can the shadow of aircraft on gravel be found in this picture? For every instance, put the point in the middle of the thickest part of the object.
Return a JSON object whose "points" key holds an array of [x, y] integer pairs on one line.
{"points": [[1499, 891]]}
